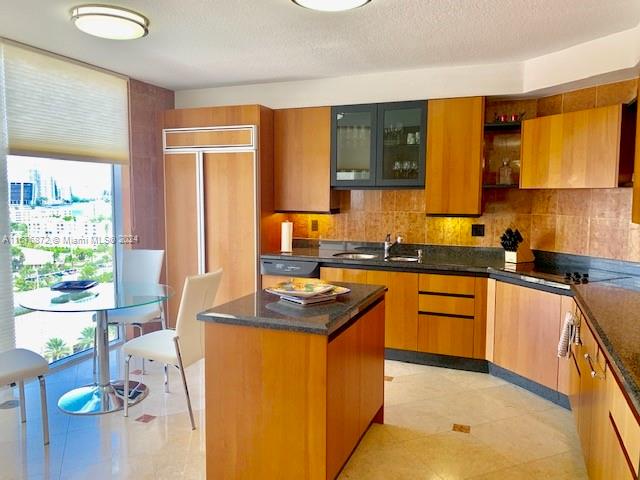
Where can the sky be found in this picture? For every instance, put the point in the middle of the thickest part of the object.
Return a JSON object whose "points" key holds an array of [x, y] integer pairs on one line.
{"points": [[85, 178]]}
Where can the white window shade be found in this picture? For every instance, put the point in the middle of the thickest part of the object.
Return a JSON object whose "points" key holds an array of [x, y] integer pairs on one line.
{"points": [[57, 108], [7, 323]]}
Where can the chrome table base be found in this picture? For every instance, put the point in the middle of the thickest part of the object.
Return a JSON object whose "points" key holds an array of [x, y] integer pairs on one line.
{"points": [[105, 396], [97, 400]]}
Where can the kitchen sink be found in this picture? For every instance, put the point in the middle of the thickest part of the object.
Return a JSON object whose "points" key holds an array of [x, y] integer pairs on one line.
{"points": [[355, 255], [403, 259]]}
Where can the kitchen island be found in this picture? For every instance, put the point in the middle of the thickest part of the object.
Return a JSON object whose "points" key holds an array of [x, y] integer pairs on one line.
{"points": [[290, 390]]}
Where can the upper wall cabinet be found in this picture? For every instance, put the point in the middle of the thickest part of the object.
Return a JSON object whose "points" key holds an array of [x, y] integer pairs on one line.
{"points": [[378, 145], [455, 130], [302, 144], [573, 150]]}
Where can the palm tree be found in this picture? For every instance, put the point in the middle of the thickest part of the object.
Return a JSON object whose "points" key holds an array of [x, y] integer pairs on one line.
{"points": [[55, 348], [85, 340]]}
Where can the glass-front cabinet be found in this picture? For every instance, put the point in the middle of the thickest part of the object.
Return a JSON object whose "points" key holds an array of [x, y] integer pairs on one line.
{"points": [[378, 145], [353, 146]]}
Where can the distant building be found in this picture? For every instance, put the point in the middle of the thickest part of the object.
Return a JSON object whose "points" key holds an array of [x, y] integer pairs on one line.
{"points": [[21, 193]]}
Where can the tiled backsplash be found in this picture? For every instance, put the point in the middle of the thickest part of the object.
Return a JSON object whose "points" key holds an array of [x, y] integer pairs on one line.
{"points": [[593, 222]]}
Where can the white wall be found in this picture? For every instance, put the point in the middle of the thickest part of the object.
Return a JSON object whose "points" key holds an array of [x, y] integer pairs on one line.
{"points": [[609, 58]]}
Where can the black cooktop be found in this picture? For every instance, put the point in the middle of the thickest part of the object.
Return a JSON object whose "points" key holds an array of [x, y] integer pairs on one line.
{"points": [[558, 276]]}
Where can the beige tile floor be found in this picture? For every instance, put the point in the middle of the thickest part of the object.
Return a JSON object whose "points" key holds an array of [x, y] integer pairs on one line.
{"points": [[513, 433]]}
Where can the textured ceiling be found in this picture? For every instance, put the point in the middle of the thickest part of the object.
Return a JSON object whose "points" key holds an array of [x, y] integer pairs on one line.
{"points": [[203, 43]]}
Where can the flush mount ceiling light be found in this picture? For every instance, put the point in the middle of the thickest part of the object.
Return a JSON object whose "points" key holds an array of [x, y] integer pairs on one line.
{"points": [[114, 23], [331, 5]]}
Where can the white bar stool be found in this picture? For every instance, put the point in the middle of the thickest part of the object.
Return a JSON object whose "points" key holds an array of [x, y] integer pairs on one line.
{"points": [[18, 365]]}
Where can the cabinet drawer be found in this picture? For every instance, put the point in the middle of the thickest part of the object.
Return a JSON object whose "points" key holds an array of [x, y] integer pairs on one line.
{"points": [[445, 335], [625, 421], [222, 137], [447, 284], [446, 304]]}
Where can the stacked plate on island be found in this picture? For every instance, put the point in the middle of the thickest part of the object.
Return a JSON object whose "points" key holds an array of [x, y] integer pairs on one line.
{"points": [[307, 293]]}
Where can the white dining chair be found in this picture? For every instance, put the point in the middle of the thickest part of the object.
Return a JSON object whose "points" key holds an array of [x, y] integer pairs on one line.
{"points": [[18, 365], [138, 266], [180, 347]]}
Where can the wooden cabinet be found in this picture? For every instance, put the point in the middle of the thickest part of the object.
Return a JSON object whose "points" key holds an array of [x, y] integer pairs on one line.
{"points": [[429, 313], [572, 150], [209, 138], [290, 405], [526, 327], [355, 373], [302, 161], [181, 205], [567, 304], [401, 314], [608, 430], [213, 158], [627, 430], [455, 129], [452, 315], [401, 318]]}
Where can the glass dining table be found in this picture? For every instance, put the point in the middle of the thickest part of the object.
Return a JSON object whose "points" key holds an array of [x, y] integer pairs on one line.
{"points": [[104, 396]]}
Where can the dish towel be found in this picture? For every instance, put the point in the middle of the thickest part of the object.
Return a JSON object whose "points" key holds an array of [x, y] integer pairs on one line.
{"points": [[570, 334]]}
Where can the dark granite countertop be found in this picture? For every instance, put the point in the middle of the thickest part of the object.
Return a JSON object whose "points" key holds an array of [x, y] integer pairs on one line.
{"points": [[266, 310], [474, 261], [612, 309]]}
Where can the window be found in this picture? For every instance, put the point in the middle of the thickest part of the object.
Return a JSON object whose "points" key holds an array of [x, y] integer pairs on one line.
{"points": [[62, 228]]}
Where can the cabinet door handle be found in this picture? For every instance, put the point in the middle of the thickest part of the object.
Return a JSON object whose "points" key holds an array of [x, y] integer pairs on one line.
{"points": [[594, 374]]}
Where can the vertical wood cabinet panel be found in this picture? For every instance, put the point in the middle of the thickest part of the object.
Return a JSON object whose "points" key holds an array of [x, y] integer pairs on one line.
{"points": [[302, 144], [572, 150], [574, 383], [181, 225], [527, 322], [588, 394], [355, 389], [455, 130], [567, 304], [401, 318], [372, 379], [227, 232], [343, 397], [490, 321], [596, 461], [480, 318]]}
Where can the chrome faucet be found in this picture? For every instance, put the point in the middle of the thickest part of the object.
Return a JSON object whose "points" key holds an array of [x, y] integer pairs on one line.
{"points": [[388, 245]]}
